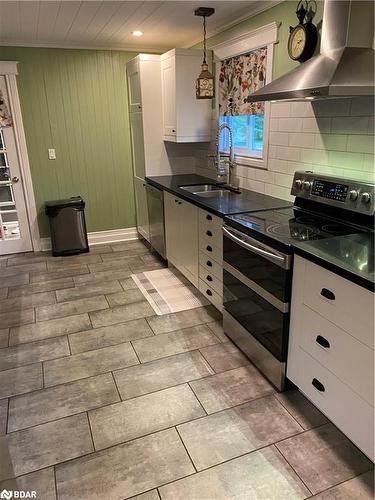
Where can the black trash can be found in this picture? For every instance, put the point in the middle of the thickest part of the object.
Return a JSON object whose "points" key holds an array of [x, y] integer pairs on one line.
{"points": [[68, 226]]}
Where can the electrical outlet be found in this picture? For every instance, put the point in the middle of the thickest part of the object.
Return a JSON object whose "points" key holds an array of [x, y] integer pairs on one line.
{"points": [[51, 154]]}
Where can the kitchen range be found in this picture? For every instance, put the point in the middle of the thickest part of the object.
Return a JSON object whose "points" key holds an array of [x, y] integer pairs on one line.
{"points": [[258, 258]]}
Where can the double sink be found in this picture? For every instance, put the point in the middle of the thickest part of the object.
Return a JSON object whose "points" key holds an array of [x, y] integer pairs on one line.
{"points": [[208, 190]]}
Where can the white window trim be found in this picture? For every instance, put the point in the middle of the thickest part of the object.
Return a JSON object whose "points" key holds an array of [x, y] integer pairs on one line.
{"points": [[260, 37]]}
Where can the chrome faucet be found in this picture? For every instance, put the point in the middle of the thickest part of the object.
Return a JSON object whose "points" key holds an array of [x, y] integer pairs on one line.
{"points": [[231, 162]]}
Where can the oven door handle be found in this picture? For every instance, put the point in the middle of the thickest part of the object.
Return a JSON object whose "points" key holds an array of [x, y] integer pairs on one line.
{"points": [[281, 260]]}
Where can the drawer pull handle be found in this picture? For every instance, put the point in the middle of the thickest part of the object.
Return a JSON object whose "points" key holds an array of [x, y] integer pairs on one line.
{"points": [[209, 293], [209, 233], [209, 278], [327, 294], [209, 217], [323, 342], [209, 263], [209, 248], [318, 385]]}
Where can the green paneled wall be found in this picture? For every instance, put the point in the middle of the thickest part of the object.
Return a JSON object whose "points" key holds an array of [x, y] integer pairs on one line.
{"points": [[76, 102]]}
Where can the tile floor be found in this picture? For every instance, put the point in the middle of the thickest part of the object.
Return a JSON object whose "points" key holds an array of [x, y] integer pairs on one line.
{"points": [[100, 399]]}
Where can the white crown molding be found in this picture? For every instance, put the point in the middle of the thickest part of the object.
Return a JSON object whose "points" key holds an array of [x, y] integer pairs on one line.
{"points": [[8, 68], [136, 50], [259, 37], [100, 237]]}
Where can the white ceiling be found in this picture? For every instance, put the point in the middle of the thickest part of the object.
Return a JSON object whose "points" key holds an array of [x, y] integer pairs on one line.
{"points": [[108, 24]]}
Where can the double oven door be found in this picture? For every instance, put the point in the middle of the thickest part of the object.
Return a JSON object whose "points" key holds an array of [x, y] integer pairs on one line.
{"points": [[257, 287]]}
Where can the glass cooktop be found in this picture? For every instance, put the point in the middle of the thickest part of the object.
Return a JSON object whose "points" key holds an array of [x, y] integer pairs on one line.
{"points": [[291, 224]]}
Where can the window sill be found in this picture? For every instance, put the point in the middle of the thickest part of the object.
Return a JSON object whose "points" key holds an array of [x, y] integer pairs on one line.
{"points": [[246, 161]]}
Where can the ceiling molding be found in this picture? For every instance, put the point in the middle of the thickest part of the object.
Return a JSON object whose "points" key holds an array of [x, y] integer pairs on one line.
{"points": [[137, 50]]}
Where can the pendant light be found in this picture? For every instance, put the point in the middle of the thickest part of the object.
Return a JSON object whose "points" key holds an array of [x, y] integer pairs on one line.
{"points": [[205, 83]]}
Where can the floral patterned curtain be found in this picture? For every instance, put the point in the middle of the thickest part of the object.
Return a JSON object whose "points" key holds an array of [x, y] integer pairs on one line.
{"points": [[239, 77], [5, 118]]}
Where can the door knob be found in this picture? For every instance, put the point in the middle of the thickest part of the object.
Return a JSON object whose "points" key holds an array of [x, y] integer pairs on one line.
{"points": [[15, 179]]}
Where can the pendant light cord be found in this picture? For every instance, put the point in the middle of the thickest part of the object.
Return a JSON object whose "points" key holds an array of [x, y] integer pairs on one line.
{"points": [[204, 39]]}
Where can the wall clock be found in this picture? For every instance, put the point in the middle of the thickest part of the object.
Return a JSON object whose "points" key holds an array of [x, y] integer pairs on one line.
{"points": [[303, 37]]}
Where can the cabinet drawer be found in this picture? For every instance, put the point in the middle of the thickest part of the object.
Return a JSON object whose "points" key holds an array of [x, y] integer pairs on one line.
{"points": [[213, 251], [336, 400], [211, 266], [344, 303], [210, 221], [211, 234], [211, 280], [211, 295], [348, 359]]}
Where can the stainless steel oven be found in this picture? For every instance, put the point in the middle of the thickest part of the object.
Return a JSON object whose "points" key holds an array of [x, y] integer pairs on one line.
{"points": [[257, 287]]}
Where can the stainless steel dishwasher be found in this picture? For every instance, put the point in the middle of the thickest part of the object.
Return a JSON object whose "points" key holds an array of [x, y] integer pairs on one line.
{"points": [[155, 206]]}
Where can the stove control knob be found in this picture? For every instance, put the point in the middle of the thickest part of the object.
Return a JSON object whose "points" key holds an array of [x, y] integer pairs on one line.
{"points": [[298, 184], [353, 194], [306, 185], [366, 197]]}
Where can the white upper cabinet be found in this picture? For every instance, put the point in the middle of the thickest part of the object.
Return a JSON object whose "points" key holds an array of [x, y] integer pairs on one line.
{"points": [[185, 118], [145, 112]]}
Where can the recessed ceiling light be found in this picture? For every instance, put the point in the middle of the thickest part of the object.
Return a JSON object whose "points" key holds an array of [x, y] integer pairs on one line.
{"points": [[137, 33]]}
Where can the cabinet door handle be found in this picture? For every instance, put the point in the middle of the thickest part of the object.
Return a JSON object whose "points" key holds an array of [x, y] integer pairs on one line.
{"points": [[209, 248], [318, 385], [209, 233], [173, 130], [323, 342], [209, 293], [209, 278], [209, 217], [209, 263], [327, 294]]}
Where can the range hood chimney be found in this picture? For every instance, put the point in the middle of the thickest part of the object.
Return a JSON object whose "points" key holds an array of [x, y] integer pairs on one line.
{"points": [[345, 65]]}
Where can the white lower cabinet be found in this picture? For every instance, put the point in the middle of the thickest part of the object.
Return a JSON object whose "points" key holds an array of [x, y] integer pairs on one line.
{"points": [[141, 208], [181, 234], [330, 359]]}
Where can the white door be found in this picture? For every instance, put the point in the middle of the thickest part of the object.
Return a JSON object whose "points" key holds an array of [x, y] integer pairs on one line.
{"points": [[14, 226]]}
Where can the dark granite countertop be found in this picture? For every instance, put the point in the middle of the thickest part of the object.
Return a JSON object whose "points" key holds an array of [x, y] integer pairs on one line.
{"points": [[350, 256], [231, 203]]}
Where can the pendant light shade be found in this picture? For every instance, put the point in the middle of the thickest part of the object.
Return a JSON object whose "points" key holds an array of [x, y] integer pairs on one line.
{"points": [[205, 83]]}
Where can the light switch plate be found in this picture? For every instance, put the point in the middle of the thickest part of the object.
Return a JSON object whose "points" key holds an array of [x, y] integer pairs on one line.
{"points": [[51, 154]]}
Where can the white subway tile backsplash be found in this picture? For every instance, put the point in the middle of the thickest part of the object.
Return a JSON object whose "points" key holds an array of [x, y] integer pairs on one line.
{"points": [[361, 144], [317, 125], [280, 109], [279, 138], [301, 140], [346, 160], [332, 107], [290, 124], [331, 142], [350, 125], [333, 137], [362, 106], [301, 109], [287, 153]]}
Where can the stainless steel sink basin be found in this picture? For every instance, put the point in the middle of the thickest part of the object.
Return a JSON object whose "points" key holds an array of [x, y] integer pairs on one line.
{"points": [[219, 193], [201, 188]]}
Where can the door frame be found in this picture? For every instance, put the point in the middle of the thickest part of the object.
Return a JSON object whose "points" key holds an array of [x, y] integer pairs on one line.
{"points": [[9, 70]]}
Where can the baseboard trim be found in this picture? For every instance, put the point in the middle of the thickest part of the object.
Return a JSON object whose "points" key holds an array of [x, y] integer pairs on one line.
{"points": [[100, 237]]}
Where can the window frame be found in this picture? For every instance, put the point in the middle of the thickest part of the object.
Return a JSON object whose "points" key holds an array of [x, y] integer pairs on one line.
{"points": [[265, 36]]}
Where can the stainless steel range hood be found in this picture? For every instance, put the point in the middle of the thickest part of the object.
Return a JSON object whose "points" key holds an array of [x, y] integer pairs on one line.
{"points": [[345, 65]]}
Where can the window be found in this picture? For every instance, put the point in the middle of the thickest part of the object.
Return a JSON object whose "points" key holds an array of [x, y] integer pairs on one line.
{"points": [[239, 77], [247, 135], [244, 64]]}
